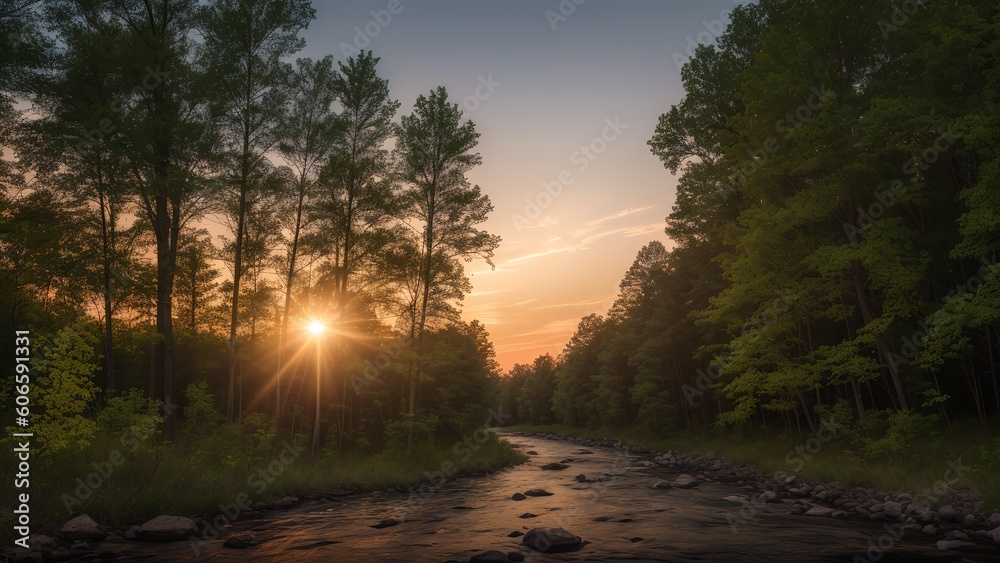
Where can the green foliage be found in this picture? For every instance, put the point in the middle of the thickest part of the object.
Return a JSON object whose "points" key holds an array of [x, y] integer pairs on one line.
{"points": [[64, 389], [201, 415], [888, 434], [131, 416]]}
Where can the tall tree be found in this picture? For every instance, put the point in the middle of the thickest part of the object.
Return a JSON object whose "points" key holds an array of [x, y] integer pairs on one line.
{"points": [[244, 42], [434, 149], [306, 132]]}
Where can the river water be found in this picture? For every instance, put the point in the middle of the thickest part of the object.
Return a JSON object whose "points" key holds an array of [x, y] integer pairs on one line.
{"points": [[618, 513]]}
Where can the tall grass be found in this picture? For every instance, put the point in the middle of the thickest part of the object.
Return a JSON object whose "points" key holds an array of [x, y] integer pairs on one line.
{"points": [[198, 477], [922, 467]]}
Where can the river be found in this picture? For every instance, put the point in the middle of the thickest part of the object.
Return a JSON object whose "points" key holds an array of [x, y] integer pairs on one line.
{"points": [[618, 514]]}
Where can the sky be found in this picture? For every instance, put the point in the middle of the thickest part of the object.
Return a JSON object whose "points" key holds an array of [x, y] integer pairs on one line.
{"points": [[565, 95]]}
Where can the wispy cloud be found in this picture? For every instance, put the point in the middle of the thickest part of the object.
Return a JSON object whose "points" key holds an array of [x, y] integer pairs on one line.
{"points": [[620, 214]]}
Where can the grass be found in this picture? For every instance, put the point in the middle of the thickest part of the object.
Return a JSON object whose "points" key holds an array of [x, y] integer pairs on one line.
{"points": [[177, 479], [925, 467]]}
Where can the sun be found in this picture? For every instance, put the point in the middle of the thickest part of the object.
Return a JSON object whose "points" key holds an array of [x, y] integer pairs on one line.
{"points": [[316, 327]]}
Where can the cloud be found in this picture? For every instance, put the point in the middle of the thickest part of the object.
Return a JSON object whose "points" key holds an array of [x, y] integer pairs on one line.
{"points": [[620, 214]]}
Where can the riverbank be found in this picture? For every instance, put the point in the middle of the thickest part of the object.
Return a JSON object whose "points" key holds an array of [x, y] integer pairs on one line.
{"points": [[954, 517], [173, 480], [959, 466]]}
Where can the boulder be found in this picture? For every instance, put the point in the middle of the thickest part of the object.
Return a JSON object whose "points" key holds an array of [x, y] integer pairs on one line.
{"points": [[82, 528], [684, 481], [551, 540], [947, 513], [167, 528], [819, 511]]}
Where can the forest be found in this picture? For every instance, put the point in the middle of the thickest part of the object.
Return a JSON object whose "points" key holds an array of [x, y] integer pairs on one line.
{"points": [[835, 238], [208, 250], [213, 251]]}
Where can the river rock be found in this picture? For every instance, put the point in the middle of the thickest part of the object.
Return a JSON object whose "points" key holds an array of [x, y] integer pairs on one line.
{"points": [[551, 540], [769, 497], [800, 491], [581, 478], [735, 499], [929, 529], [515, 534], [537, 493], [515, 556], [528, 515], [819, 511], [167, 528], [82, 528], [947, 513], [969, 520], [491, 556], [994, 520], [132, 533], [517, 496], [892, 509], [387, 523], [995, 533], [947, 545], [684, 481], [554, 466], [662, 485]]}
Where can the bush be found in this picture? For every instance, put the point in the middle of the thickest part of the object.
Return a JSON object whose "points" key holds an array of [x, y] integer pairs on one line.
{"points": [[891, 433]]}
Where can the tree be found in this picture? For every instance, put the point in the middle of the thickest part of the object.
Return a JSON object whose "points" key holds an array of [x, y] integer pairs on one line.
{"points": [[64, 389], [196, 278], [244, 43], [306, 132], [434, 151]]}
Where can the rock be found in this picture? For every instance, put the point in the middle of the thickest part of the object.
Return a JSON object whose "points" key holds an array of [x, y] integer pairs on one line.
{"points": [[554, 466], [492, 556], [581, 478], [839, 514], [515, 534], [956, 535], [946, 545], [515, 556], [388, 523], [531, 452], [892, 509], [819, 511], [969, 521], [995, 533], [790, 479], [769, 497], [994, 520], [132, 533], [904, 497], [167, 528], [636, 539], [684, 481], [517, 496], [929, 529], [551, 540], [947, 513], [801, 491], [798, 509], [287, 502], [661, 485], [735, 499], [82, 528], [537, 493], [926, 517], [236, 542], [528, 515]]}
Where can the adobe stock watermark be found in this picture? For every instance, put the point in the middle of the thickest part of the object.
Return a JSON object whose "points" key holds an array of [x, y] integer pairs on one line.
{"points": [[563, 11], [365, 34], [796, 460], [910, 346], [713, 30], [887, 198], [901, 14], [260, 479], [483, 91], [581, 159]]}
